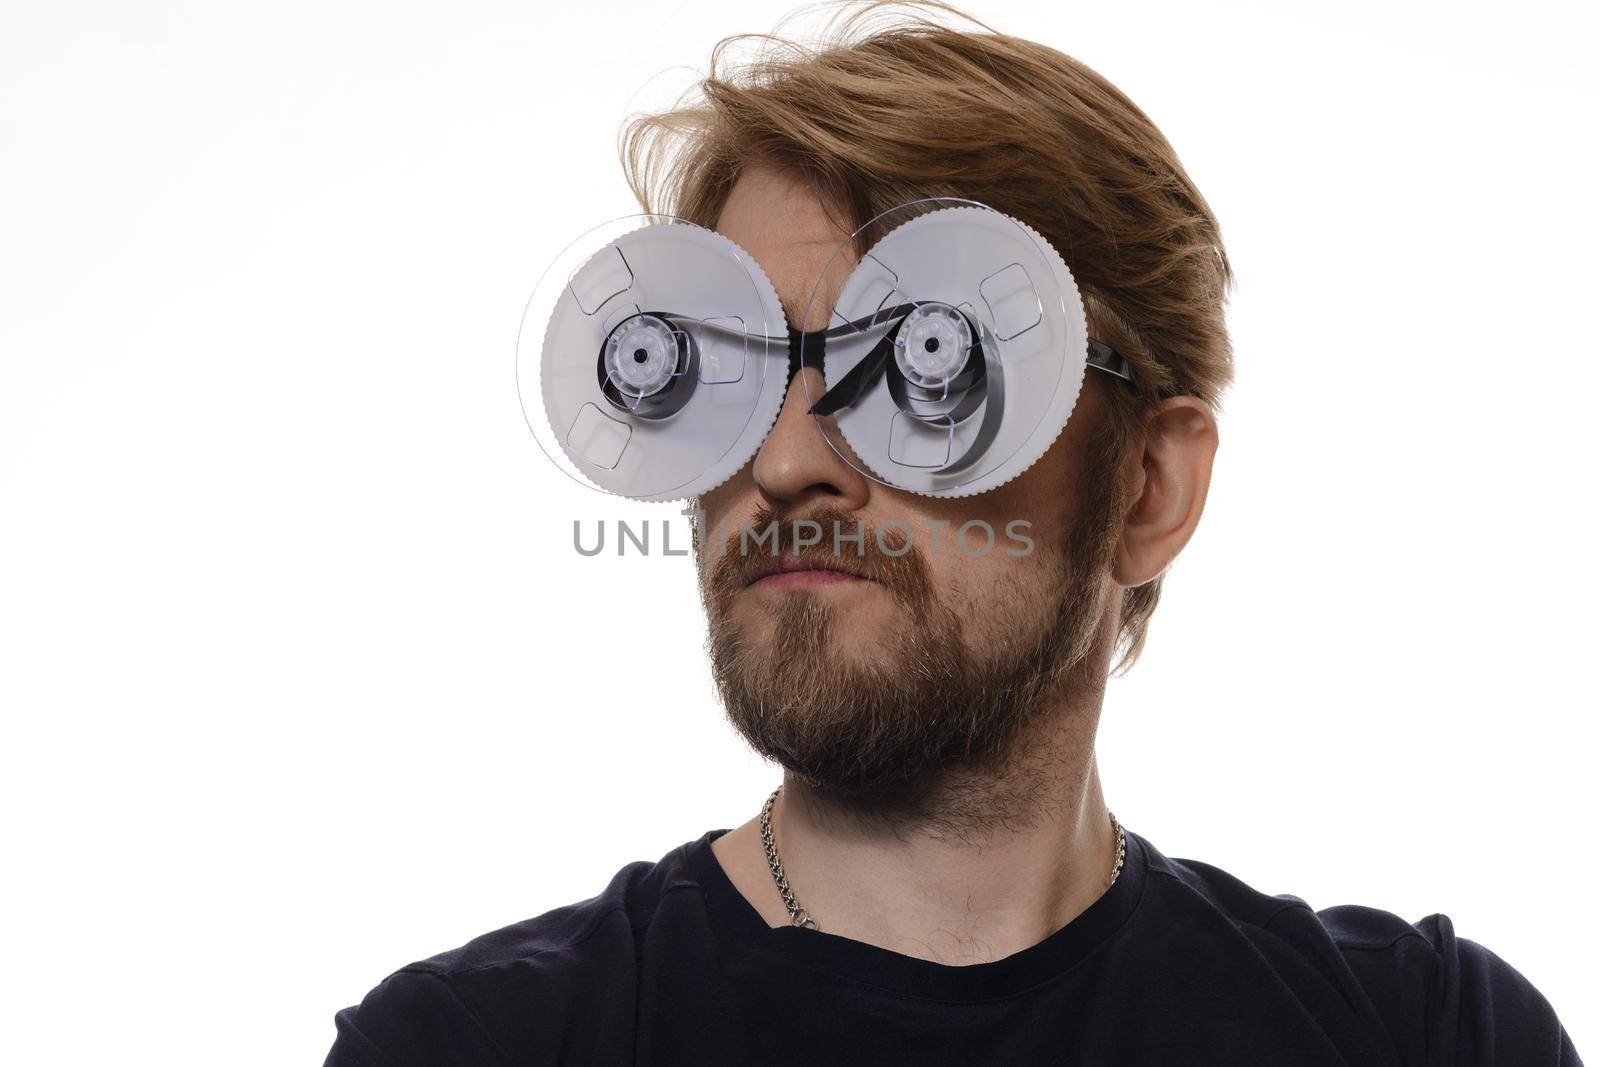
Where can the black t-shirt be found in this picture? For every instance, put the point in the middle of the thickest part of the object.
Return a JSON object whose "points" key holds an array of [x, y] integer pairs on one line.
{"points": [[1178, 962]]}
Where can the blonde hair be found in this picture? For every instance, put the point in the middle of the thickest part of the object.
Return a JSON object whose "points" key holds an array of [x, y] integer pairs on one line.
{"points": [[890, 105]]}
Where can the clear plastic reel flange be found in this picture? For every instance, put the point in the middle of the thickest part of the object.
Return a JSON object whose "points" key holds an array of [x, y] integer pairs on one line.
{"points": [[954, 351], [652, 357]]}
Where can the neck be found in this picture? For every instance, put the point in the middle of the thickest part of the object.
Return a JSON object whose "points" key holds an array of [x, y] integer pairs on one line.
{"points": [[992, 864]]}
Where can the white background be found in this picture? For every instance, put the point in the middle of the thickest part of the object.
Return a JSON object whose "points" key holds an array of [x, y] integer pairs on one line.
{"points": [[302, 679]]}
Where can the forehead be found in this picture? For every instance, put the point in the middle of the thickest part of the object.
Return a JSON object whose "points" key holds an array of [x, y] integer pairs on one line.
{"points": [[778, 218]]}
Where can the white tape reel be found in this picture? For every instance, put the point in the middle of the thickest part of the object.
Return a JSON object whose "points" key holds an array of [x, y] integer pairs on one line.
{"points": [[659, 348], [975, 373]]}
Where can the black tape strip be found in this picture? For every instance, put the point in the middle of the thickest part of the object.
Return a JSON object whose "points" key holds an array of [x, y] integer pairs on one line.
{"points": [[816, 349]]}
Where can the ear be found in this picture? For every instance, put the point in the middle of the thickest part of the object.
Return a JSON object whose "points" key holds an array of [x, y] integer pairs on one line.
{"points": [[1168, 490]]}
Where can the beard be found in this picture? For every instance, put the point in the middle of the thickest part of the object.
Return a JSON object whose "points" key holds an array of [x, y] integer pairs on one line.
{"points": [[949, 700]]}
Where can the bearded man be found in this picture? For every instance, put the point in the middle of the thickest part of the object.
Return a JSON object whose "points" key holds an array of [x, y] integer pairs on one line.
{"points": [[939, 879]]}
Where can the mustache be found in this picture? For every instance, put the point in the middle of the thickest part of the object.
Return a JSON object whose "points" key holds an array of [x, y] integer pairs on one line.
{"points": [[832, 538]]}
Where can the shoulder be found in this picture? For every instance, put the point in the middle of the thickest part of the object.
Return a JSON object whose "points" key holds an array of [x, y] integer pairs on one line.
{"points": [[456, 1007], [1437, 995], [1460, 994]]}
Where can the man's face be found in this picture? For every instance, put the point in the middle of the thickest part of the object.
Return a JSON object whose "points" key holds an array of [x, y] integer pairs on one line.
{"points": [[884, 666]]}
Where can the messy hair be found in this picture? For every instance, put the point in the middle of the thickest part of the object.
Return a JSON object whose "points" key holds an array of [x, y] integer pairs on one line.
{"points": [[890, 104]]}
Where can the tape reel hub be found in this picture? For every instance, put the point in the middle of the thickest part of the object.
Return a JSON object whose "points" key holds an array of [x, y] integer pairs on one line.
{"points": [[643, 356], [932, 345]]}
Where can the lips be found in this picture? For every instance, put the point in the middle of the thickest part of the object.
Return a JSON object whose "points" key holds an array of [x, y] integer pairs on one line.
{"points": [[803, 571]]}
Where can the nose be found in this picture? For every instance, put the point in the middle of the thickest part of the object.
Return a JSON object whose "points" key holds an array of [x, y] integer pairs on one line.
{"points": [[796, 465]]}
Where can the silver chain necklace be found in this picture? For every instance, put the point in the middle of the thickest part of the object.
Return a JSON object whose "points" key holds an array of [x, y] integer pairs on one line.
{"points": [[801, 917]]}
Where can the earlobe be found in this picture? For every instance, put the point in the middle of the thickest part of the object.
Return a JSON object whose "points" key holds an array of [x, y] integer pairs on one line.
{"points": [[1169, 489]]}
